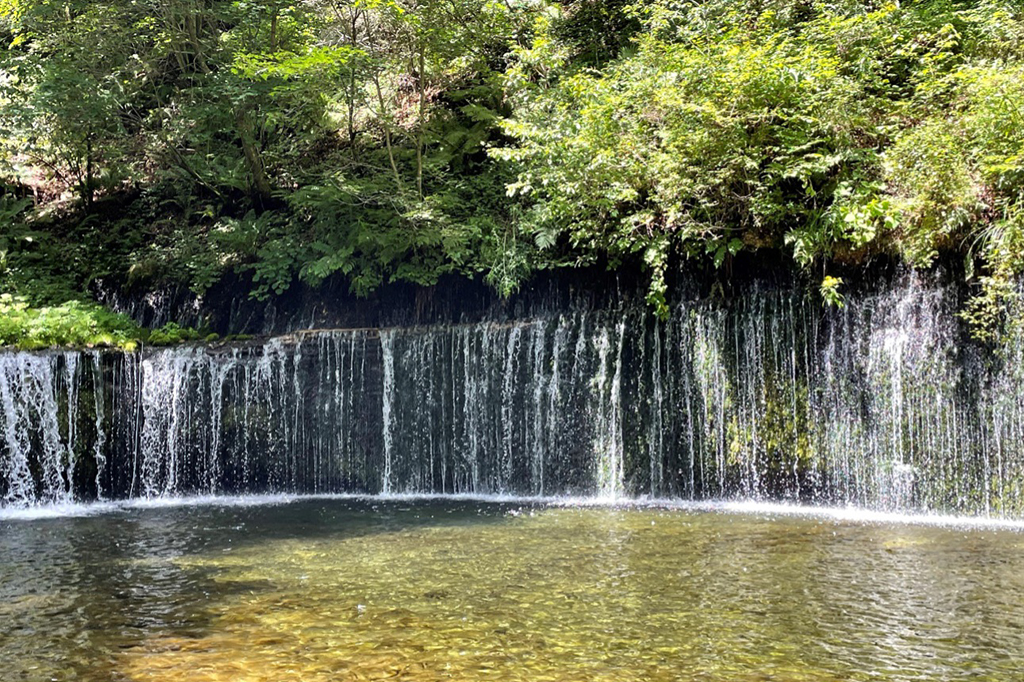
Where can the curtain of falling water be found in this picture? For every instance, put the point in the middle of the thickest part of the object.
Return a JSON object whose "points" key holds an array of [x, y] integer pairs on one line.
{"points": [[879, 404]]}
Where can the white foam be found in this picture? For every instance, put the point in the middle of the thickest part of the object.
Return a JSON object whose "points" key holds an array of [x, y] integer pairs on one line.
{"points": [[162, 502], [745, 507], [859, 515], [55, 511]]}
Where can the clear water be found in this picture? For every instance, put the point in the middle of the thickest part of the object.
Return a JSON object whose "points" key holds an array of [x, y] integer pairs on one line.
{"points": [[364, 589]]}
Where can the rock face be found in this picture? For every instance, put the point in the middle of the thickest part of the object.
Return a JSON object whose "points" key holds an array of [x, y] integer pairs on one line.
{"points": [[567, 390]]}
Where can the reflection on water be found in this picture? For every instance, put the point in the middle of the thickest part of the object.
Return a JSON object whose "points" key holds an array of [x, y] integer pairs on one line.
{"points": [[428, 590]]}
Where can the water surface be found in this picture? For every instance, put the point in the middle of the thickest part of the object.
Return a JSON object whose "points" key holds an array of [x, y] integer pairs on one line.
{"points": [[363, 589]]}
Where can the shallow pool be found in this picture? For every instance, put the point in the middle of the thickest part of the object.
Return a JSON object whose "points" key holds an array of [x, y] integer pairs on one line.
{"points": [[363, 589]]}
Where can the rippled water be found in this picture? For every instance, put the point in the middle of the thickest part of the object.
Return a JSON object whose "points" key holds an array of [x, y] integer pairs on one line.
{"points": [[333, 589]]}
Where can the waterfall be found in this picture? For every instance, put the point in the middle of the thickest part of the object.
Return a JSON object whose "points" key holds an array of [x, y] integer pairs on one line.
{"points": [[38, 460], [17, 477], [608, 444], [537, 444], [387, 406], [100, 441], [881, 403]]}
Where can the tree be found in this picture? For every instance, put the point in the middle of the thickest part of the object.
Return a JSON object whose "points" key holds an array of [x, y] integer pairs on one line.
{"points": [[69, 88]]}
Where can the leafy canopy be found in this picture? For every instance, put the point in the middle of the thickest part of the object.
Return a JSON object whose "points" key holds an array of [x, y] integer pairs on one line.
{"points": [[146, 142]]}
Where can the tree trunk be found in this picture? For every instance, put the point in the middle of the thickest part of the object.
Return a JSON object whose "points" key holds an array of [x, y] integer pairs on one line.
{"points": [[352, 85], [88, 189], [387, 133], [192, 27], [254, 159], [422, 122]]}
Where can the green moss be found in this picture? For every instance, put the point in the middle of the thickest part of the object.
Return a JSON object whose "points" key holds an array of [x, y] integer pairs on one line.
{"points": [[780, 437], [78, 324], [73, 323], [171, 334]]}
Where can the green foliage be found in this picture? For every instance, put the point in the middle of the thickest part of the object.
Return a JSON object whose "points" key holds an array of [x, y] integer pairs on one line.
{"points": [[830, 294], [838, 130], [937, 190], [713, 138], [80, 324], [71, 324], [1002, 249], [170, 334], [398, 140]]}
